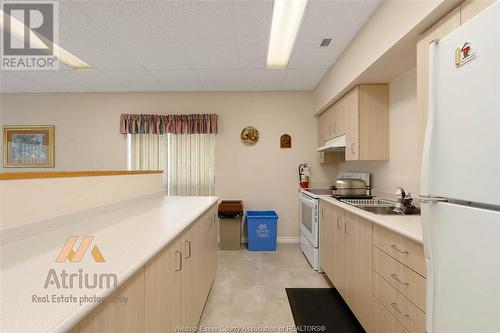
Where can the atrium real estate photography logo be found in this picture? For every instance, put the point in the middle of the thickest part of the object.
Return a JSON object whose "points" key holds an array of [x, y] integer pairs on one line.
{"points": [[78, 285], [30, 30]]}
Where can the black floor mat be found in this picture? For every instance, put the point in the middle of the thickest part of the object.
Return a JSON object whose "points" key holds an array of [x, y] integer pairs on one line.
{"points": [[322, 307]]}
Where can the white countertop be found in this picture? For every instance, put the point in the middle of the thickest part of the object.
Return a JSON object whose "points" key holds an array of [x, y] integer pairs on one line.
{"points": [[409, 226], [127, 238]]}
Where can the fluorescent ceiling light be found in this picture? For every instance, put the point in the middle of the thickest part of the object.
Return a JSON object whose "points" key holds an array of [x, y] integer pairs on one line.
{"points": [[287, 15], [17, 29]]}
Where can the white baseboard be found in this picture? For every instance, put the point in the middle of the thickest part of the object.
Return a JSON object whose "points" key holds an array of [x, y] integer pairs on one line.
{"points": [[282, 240]]}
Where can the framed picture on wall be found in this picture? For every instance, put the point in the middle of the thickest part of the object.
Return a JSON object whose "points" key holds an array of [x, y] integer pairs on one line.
{"points": [[28, 146]]}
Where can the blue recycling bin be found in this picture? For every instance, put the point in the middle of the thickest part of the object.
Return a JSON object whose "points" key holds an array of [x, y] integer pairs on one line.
{"points": [[261, 227]]}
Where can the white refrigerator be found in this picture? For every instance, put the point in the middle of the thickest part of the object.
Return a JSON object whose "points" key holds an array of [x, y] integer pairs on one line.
{"points": [[461, 179]]}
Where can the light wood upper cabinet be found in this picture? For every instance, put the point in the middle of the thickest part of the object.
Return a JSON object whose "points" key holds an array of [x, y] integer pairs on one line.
{"points": [[363, 116], [446, 25], [470, 8], [443, 27]]}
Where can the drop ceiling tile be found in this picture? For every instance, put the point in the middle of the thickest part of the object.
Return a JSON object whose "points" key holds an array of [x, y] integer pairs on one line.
{"points": [[339, 20], [263, 79], [178, 80], [134, 80], [302, 79], [252, 21], [12, 83], [53, 80], [93, 80], [140, 29], [220, 79], [205, 32], [81, 36]]}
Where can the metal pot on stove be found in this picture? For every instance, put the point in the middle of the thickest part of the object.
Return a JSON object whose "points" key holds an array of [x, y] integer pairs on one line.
{"points": [[349, 187]]}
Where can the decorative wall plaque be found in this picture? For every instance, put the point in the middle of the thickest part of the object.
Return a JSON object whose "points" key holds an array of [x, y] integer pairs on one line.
{"points": [[286, 141]]}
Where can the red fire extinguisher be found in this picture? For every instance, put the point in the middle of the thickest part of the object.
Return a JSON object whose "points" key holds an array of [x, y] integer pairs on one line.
{"points": [[304, 175]]}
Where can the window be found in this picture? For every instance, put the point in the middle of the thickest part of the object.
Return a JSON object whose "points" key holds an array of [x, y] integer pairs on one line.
{"points": [[187, 160]]}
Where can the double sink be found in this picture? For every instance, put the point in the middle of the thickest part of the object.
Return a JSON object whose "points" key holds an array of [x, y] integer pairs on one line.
{"points": [[378, 206]]}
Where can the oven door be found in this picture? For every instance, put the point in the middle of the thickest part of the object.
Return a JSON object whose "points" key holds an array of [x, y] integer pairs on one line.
{"points": [[309, 218]]}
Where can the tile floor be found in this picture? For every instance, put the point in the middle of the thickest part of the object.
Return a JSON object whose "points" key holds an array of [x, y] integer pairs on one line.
{"points": [[249, 289]]}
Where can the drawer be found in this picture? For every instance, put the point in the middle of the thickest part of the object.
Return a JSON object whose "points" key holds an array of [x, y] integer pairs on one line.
{"points": [[400, 248], [406, 281], [384, 321], [407, 313]]}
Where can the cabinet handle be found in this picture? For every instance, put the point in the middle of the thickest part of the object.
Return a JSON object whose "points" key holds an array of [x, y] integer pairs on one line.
{"points": [[323, 212], [395, 277], [345, 228], [180, 261], [338, 222], [395, 247], [395, 306], [353, 150], [189, 249]]}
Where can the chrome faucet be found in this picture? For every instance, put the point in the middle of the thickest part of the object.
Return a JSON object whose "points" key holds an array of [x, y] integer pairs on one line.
{"points": [[404, 201]]}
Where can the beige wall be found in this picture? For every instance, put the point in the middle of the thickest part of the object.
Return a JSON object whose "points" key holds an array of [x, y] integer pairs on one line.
{"points": [[264, 176], [403, 168]]}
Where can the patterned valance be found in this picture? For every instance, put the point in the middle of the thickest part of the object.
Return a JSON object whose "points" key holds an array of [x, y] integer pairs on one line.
{"points": [[168, 123]]}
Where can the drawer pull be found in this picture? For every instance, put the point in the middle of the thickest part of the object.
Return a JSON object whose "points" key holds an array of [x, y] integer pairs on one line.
{"points": [[395, 247], [338, 221], [395, 306], [180, 260], [345, 228], [395, 277], [189, 248]]}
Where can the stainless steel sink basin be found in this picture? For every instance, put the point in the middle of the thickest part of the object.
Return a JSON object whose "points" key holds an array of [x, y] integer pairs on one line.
{"points": [[377, 206], [379, 210]]}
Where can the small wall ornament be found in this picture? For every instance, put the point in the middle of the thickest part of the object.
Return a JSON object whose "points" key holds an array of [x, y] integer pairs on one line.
{"points": [[285, 141], [249, 135]]}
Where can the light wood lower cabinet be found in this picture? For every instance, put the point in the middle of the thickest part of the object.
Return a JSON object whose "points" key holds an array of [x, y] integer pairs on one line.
{"points": [[457, 17], [170, 291], [163, 289], [347, 259], [384, 321], [119, 318], [383, 290]]}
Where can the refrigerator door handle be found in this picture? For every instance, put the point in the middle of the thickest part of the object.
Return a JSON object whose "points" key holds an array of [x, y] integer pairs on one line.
{"points": [[431, 199], [425, 186]]}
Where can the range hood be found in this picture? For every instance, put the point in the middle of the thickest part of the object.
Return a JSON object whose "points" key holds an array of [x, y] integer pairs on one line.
{"points": [[335, 144]]}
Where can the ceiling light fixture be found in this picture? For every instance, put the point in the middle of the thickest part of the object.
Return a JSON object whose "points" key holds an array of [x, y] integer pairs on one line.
{"points": [[287, 16], [17, 28]]}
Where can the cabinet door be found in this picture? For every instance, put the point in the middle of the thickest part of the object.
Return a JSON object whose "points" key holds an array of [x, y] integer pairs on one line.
{"points": [[325, 239], [191, 289], [351, 116], [163, 289], [470, 8], [338, 249], [340, 118], [109, 317], [323, 127], [446, 25], [358, 267]]}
